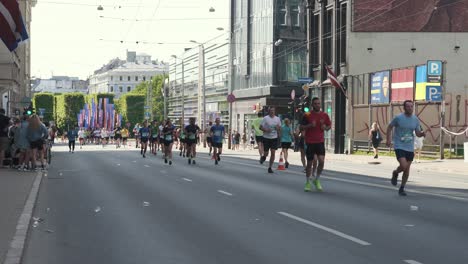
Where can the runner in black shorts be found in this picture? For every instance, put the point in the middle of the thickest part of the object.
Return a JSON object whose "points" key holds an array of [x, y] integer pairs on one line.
{"points": [[169, 134], [191, 132]]}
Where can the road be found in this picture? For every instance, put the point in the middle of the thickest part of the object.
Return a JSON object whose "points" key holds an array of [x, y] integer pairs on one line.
{"points": [[113, 206]]}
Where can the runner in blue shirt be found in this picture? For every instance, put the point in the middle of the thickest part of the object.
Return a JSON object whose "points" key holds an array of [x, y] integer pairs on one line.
{"points": [[217, 137], [403, 126], [144, 137], [286, 139], [71, 135]]}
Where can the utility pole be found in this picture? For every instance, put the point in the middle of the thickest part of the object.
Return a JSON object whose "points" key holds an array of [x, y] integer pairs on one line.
{"points": [[442, 110]]}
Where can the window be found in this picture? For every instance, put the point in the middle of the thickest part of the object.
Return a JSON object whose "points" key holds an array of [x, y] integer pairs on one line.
{"points": [[136, 78], [315, 41], [144, 78], [120, 89], [283, 13], [342, 35], [328, 37], [129, 88], [128, 78], [121, 78], [295, 18], [112, 78], [112, 89]]}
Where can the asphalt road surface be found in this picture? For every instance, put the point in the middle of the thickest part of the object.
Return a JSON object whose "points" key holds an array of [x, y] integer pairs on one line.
{"points": [[112, 206]]}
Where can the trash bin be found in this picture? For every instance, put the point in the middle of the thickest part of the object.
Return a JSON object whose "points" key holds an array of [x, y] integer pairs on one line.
{"points": [[465, 147]]}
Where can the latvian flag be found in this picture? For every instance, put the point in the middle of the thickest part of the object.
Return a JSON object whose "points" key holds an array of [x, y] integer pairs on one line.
{"points": [[402, 85], [12, 29], [334, 80]]}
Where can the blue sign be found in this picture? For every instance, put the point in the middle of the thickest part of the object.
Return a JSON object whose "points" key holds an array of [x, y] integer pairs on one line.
{"points": [[433, 93], [434, 68], [305, 80], [380, 87]]}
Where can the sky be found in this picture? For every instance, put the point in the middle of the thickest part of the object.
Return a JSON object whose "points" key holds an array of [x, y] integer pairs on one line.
{"points": [[73, 38]]}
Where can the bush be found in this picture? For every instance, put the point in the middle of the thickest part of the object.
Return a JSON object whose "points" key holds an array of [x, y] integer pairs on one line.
{"points": [[67, 108], [132, 108], [46, 101]]}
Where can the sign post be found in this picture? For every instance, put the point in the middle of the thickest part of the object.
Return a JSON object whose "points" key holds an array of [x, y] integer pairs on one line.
{"points": [[435, 74]]}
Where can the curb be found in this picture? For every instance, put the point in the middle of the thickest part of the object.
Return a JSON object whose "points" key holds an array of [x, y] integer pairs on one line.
{"points": [[15, 252]]}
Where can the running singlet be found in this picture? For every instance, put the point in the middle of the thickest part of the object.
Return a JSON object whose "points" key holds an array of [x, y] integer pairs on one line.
{"points": [[124, 133], [218, 132], [192, 131], [168, 132], [144, 132], [154, 132]]}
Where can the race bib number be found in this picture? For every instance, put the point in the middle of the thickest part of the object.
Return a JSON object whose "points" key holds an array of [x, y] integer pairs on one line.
{"points": [[218, 133], [192, 136], [168, 137], [144, 134], [407, 136]]}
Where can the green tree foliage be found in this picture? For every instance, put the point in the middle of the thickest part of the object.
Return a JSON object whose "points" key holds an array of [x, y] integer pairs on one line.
{"points": [[155, 84], [67, 107], [46, 101], [132, 108], [98, 97]]}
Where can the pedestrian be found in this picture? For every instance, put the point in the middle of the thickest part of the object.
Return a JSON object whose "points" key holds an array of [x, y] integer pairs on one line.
{"points": [[237, 140], [192, 131], [271, 127], [217, 134], [125, 133], [118, 136], [252, 140], [258, 134], [154, 137], [286, 139], [418, 145], [144, 134], [4, 125], [315, 123], [37, 134], [299, 145], [403, 126], [209, 139], [136, 130], [81, 138], [376, 137], [22, 143], [182, 136]]}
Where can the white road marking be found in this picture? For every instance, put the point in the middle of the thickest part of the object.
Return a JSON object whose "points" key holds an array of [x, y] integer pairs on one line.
{"points": [[409, 225], [226, 193], [327, 229], [185, 179], [410, 261], [147, 166], [118, 164]]}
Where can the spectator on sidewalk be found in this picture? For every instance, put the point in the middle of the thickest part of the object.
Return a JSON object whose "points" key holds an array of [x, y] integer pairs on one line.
{"points": [[286, 139], [37, 133], [22, 143], [418, 145], [4, 125], [375, 136]]}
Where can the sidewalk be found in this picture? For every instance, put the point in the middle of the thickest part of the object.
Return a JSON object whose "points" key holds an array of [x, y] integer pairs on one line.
{"points": [[15, 188], [458, 167]]}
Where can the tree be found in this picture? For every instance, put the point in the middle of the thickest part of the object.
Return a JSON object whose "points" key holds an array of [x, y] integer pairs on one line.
{"points": [[155, 84]]}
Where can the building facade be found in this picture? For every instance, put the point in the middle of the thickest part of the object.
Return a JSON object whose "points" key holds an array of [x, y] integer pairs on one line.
{"points": [[380, 57], [198, 81], [268, 56], [122, 76], [59, 84], [15, 67]]}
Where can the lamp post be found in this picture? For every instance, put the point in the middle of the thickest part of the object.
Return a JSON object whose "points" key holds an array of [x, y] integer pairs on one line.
{"points": [[202, 52], [183, 83]]}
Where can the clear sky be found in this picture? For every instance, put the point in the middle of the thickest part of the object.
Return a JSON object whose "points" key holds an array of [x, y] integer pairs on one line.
{"points": [[73, 38]]}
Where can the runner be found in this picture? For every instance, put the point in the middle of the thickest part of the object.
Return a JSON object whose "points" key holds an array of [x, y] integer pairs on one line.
{"points": [[104, 137], [71, 135], [97, 136], [286, 139], [37, 134], [118, 136], [217, 134], [154, 137], [144, 133], [183, 140], [208, 137], [124, 132], [405, 124], [271, 126], [81, 137], [169, 134], [161, 137], [259, 135], [314, 124], [299, 146], [136, 130], [192, 131]]}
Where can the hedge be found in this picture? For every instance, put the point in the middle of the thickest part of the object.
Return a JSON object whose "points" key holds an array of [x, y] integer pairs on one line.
{"points": [[98, 97], [132, 108], [46, 101], [67, 108]]}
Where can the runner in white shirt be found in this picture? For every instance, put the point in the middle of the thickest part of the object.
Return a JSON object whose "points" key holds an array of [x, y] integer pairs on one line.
{"points": [[161, 137], [81, 137], [271, 127], [104, 137]]}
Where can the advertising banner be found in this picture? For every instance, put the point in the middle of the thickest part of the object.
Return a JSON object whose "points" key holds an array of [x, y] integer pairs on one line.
{"points": [[380, 87], [425, 91], [402, 84]]}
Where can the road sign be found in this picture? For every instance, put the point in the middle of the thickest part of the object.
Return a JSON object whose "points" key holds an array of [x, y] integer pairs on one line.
{"points": [[434, 93], [231, 98], [305, 80], [434, 68], [305, 87], [41, 111], [224, 112], [293, 94]]}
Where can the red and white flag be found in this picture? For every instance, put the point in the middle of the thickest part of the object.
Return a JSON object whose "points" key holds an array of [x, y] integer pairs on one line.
{"points": [[402, 85], [12, 29], [334, 80]]}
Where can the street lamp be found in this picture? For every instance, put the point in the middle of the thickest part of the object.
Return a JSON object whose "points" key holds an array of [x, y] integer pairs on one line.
{"points": [[202, 51], [183, 83]]}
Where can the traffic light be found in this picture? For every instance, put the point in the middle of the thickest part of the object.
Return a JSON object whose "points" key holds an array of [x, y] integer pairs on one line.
{"points": [[29, 110]]}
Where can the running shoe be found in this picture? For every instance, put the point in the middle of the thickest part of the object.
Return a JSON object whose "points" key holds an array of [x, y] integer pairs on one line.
{"points": [[144, 156], [307, 186], [189, 161], [165, 160], [170, 162], [270, 170], [193, 162], [216, 162], [219, 157], [286, 165], [180, 154], [394, 179], [317, 184], [402, 192], [262, 159]]}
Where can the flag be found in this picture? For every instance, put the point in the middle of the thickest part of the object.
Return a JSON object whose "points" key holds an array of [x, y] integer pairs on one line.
{"points": [[13, 31], [334, 80], [402, 85]]}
